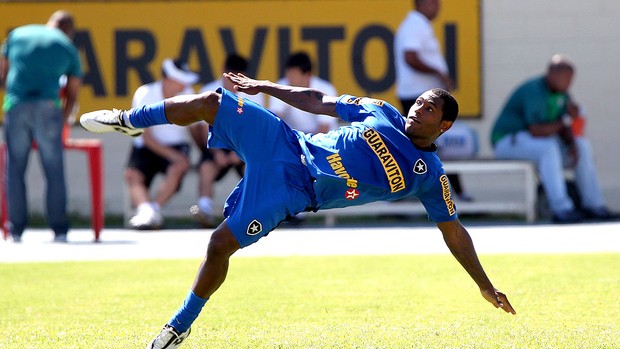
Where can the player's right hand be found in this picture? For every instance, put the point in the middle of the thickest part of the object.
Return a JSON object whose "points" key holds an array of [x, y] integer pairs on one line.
{"points": [[498, 299]]}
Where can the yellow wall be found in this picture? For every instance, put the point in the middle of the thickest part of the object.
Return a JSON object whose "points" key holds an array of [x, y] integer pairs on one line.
{"points": [[123, 43]]}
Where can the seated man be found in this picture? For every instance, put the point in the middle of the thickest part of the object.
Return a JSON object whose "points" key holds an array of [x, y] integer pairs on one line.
{"points": [[161, 149], [215, 163], [380, 156], [535, 124]]}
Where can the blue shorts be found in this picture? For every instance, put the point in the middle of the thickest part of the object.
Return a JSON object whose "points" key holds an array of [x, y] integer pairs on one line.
{"points": [[276, 184]]}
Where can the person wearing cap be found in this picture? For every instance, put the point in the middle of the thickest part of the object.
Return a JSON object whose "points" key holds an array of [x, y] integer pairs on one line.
{"points": [[162, 149], [536, 124], [216, 163], [33, 59]]}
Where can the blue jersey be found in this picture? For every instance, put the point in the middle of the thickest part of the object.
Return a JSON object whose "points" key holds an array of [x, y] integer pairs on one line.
{"points": [[288, 172], [373, 160]]}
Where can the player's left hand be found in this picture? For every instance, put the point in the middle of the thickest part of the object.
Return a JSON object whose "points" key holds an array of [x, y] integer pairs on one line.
{"points": [[498, 299], [243, 83]]}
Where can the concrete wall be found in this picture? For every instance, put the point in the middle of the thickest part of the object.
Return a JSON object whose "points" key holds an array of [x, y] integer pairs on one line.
{"points": [[518, 39]]}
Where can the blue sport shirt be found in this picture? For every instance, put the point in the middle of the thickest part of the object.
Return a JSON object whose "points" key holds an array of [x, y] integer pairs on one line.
{"points": [[373, 160]]}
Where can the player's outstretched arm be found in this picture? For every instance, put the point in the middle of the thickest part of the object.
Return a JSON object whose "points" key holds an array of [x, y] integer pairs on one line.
{"points": [[307, 99], [460, 244]]}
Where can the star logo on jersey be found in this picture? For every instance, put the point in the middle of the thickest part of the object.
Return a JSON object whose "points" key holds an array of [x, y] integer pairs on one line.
{"points": [[254, 228], [351, 194], [239, 110], [419, 167]]}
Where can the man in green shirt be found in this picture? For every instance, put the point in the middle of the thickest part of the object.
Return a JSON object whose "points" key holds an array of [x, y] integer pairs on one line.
{"points": [[32, 61], [535, 124]]}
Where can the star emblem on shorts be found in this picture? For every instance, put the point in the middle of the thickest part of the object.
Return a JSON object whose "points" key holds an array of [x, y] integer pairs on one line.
{"points": [[419, 167], [352, 194], [255, 227], [239, 110]]}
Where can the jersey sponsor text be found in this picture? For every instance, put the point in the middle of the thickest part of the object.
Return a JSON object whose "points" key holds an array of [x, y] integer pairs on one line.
{"points": [[390, 166]]}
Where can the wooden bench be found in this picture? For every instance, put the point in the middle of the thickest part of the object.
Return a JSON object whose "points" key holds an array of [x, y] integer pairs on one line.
{"points": [[499, 204]]}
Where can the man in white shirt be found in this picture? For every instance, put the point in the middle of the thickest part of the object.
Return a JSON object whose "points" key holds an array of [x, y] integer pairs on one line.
{"points": [[161, 149], [420, 65], [298, 72]]}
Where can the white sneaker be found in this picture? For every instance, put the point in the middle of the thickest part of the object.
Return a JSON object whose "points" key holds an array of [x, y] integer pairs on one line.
{"points": [[102, 121], [146, 219], [168, 338]]}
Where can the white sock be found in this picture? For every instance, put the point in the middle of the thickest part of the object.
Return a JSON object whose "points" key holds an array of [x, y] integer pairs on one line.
{"points": [[126, 119], [145, 206], [205, 204], [155, 206]]}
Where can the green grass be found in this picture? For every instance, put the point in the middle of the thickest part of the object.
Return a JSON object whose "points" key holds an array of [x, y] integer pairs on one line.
{"points": [[562, 301]]}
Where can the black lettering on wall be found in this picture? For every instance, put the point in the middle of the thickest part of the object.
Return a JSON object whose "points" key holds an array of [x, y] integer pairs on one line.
{"points": [[256, 52], [323, 37], [284, 48], [90, 65], [385, 35], [450, 38], [193, 41], [139, 64]]}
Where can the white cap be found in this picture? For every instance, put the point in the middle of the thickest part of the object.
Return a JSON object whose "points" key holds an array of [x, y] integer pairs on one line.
{"points": [[180, 74]]}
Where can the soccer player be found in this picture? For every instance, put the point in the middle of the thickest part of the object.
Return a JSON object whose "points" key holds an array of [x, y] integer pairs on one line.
{"points": [[380, 156]]}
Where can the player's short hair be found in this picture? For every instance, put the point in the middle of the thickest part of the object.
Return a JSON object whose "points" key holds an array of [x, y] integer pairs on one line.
{"points": [[450, 105], [235, 63], [299, 60]]}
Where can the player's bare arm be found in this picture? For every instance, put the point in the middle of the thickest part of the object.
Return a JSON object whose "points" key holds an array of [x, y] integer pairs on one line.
{"points": [[460, 244], [306, 99]]}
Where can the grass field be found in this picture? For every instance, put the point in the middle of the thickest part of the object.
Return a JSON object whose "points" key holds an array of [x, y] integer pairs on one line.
{"points": [[562, 301]]}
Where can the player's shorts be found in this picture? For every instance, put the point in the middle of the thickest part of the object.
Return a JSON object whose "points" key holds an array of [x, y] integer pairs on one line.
{"points": [[150, 164], [276, 185]]}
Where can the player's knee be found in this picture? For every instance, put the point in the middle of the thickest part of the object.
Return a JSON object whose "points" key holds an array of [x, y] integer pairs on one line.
{"points": [[222, 243]]}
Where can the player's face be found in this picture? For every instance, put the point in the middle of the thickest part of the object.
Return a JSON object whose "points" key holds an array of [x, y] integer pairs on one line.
{"points": [[424, 118]]}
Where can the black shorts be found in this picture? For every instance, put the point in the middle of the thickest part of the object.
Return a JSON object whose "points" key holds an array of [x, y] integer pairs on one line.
{"points": [[207, 156], [149, 163]]}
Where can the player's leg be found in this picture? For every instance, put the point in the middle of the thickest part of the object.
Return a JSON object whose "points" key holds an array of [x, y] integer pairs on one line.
{"points": [[179, 110], [209, 278]]}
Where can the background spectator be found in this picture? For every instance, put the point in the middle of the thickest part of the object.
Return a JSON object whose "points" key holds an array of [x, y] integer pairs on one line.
{"points": [[420, 64], [535, 124], [161, 149], [298, 72], [34, 58]]}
